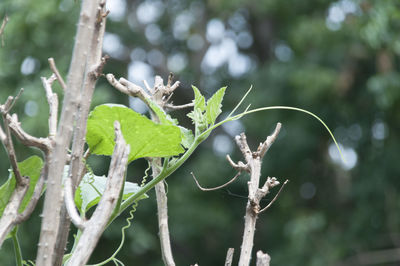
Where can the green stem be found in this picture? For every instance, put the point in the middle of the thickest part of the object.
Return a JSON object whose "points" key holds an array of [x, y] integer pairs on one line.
{"points": [[164, 174], [17, 247], [76, 240], [278, 108], [199, 139]]}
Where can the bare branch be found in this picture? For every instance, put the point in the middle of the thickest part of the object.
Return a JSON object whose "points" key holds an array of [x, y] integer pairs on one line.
{"points": [[162, 216], [240, 166], [171, 106], [263, 259], [70, 205], [274, 199], [2, 27], [229, 257], [42, 143], [215, 188], [134, 90], [3, 24], [11, 216], [116, 84], [12, 100], [264, 190], [98, 69], [161, 195], [8, 143], [98, 222], [53, 68], [253, 160], [52, 99], [244, 147], [264, 147], [47, 254], [3, 136], [8, 218], [127, 87], [173, 87], [93, 70], [147, 86]]}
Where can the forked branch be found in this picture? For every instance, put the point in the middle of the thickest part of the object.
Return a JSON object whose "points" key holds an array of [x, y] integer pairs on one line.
{"points": [[159, 95]]}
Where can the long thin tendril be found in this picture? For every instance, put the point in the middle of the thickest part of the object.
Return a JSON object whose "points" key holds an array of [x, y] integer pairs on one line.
{"points": [[246, 112], [128, 224]]}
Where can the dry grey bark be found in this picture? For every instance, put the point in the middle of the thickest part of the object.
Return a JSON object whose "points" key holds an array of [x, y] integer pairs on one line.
{"points": [[93, 228], [94, 65], [159, 94], [11, 216], [263, 259], [79, 67], [162, 215], [229, 257], [253, 166], [10, 213]]}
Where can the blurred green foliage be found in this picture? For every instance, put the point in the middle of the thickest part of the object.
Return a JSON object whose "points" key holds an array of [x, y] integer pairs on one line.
{"points": [[338, 59]]}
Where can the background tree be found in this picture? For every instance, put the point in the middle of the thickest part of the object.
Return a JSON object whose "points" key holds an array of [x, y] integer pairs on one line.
{"points": [[338, 59]]}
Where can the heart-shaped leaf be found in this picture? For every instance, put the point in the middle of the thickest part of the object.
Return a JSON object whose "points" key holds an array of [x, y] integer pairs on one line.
{"points": [[146, 138]]}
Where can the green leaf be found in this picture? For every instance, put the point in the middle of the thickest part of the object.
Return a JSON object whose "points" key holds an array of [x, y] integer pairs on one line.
{"points": [[197, 115], [91, 188], [213, 109], [164, 118], [199, 101], [5, 193], [31, 168], [187, 137], [204, 115], [147, 139]]}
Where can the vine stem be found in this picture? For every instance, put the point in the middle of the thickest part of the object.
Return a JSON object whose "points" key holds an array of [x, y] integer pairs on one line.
{"points": [[284, 108], [200, 138], [17, 247]]}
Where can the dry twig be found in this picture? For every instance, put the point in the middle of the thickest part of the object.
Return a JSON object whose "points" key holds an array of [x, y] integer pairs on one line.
{"points": [[275, 198], [229, 257], [263, 259], [52, 100], [53, 68], [10, 214], [2, 27], [215, 188], [93, 228], [253, 164]]}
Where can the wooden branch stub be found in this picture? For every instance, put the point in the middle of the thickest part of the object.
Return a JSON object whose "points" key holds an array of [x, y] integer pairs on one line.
{"points": [[263, 259], [241, 141], [160, 94], [2, 27], [52, 100], [43, 144], [70, 205], [98, 70], [239, 166], [264, 147], [53, 68], [229, 257]]}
